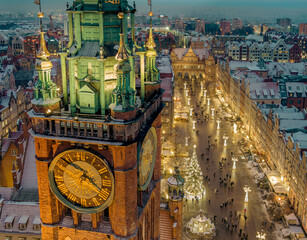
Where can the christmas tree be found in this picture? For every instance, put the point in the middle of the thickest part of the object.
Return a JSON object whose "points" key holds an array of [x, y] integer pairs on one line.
{"points": [[194, 187]]}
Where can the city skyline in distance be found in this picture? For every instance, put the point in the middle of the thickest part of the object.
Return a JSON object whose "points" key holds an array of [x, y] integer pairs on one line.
{"points": [[257, 11]]}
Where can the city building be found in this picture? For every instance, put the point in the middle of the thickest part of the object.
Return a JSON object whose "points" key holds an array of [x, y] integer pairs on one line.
{"points": [[192, 63], [225, 26], [236, 24], [31, 45], [303, 28], [13, 106], [17, 44], [295, 54], [284, 22], [200, 26]]}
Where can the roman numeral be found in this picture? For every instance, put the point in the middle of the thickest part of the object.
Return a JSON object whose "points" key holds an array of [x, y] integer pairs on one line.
{"points": [[96, 203], [81, 156], [102, 170], [63, 188], [104, 194], [71, 197], [93, 161], [59, 178], [68, 158], [61, 167], [83, 202], [106, 183]]}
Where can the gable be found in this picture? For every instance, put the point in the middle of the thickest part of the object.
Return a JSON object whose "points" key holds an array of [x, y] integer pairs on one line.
{"points": [[89, 89]]}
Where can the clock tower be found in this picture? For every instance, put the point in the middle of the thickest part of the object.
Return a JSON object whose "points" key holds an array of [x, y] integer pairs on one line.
{"points": [[98, 146]]}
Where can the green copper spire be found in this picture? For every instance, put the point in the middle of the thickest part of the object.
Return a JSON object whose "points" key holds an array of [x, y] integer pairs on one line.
{"points": [[44, 88], [152, 72], [123, 95]]}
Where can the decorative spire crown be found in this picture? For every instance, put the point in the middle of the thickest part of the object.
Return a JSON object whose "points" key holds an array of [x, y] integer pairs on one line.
{"points": [[122, 54], [151, 43], [43, 52]]}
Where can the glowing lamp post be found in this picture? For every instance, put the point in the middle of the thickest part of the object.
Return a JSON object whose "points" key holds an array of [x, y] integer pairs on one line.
{"points": [[212, 109], [234, 162], [225, 140], [208, 101], [261, 235], [218, 123], [235, 128], [191, 112], [194, 124], [246, 190]]}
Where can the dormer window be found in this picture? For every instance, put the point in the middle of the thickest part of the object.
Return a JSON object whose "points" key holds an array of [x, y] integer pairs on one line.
{"points": [[22, 223], [9, 222], [36, 224]]}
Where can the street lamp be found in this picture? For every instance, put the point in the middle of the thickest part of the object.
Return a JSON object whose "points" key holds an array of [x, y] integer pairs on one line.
{"points": [[212, 109], [261, 235], [234, 159], [246, 190], [235, 128], [194, 126], [225, 140], [191, 112], [218, 123]]}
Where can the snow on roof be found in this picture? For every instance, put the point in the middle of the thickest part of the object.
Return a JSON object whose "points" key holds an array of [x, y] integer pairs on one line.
{"points": [[200, 53], [264, 90], [164, 64], [254, 37], [288, 124]]}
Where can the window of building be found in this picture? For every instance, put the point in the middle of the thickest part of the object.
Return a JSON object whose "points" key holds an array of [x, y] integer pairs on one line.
{"points": [[8, 238], [14, 152], [22, 238], [299, 101], [36, 227], [291, 101]]}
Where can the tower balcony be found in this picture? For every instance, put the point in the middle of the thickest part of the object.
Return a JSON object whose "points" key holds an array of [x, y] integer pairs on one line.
{"points": [[93, 128]]}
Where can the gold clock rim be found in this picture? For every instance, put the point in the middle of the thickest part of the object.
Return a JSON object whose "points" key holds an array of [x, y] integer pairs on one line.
{"points": [[67, 203], [145, 185]]}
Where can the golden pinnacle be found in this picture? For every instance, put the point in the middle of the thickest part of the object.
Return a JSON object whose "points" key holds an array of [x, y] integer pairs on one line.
{"points": [[40, 14], [150, 14]]}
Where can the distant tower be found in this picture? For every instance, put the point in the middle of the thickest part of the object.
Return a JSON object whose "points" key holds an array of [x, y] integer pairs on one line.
{"points": [[175, 188], [51, 22]]}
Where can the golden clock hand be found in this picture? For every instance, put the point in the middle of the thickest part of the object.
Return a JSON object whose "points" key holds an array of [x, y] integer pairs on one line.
{"points": [[93, 186]]}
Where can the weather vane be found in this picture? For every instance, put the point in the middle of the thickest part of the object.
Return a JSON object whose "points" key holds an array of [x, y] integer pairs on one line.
{"points": [[40, 13]]}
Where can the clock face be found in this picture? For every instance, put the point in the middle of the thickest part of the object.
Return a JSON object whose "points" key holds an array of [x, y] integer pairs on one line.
{"points": [[82, 181], [147, 158]]}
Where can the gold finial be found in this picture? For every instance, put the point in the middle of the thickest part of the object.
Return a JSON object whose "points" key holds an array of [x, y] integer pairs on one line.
{"points": [[43, 52], [150, 14], [122, 54], [120, 15]]}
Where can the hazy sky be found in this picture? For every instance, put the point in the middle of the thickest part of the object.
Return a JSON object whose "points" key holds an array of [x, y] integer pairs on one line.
{"points": [[299, 4], [241, 8]]}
